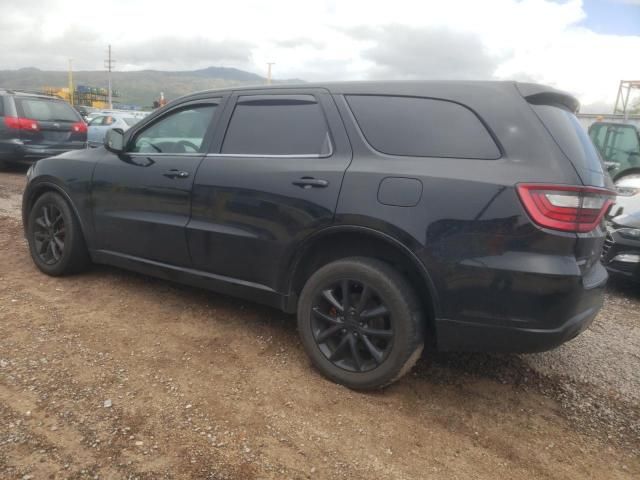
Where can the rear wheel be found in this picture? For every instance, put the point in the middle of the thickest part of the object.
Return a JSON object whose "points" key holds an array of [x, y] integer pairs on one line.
{"points": [[360, 323], [55, 238]]}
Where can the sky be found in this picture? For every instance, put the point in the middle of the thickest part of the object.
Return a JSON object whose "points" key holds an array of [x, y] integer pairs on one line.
{"points": [[583, 46]]}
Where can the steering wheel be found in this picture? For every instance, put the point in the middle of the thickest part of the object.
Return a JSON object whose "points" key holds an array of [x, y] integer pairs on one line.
{"points": [[147, 143], [187, 144]]}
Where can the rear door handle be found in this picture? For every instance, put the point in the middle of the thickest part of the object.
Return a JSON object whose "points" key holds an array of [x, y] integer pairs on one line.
{"points": [[175, 173], [310, 182]]}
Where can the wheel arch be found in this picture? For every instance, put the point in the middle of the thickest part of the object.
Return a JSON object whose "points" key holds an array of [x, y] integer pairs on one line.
{"points": [[334, 243], [38, 189], [628, 171]]}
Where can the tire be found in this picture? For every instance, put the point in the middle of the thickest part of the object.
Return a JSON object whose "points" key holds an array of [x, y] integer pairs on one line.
{"points": [[389, 321], [45, 232]]}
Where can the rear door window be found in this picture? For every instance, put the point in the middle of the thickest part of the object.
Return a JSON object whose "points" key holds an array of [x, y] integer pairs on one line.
{"points": [[422, 127], [46, 110], [277, 125]]}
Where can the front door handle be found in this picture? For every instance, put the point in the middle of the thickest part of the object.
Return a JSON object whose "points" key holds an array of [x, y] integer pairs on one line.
{"points": [[175, 173], [310, 182]]}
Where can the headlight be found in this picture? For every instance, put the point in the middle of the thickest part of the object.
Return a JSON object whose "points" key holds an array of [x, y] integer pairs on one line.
{"points": [[627, 191], [630, 233]]}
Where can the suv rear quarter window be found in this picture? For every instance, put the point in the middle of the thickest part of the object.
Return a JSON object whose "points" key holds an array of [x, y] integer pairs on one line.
{"points": [[570, 136], [277, 125], [422, 127]]}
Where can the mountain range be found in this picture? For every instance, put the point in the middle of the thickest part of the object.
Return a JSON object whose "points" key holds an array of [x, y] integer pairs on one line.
{"points": [[140, 87]]}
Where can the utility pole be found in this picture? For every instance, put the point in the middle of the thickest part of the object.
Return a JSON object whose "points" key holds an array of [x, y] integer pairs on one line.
{"points": [[269, 72], [108, 63], [70, 82]]}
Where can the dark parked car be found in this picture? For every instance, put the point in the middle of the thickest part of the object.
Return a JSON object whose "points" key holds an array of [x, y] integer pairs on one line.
{"points": [[621, 254], [34, 126], [463, 215]]}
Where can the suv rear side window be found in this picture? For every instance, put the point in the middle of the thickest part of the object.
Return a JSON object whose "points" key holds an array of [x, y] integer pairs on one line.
{"points": [[46, 110], [277, 125], [570, 136], [422, 127]]}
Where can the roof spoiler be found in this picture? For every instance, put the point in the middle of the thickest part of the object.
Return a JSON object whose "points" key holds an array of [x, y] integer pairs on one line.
{"points": [[543, 95]]}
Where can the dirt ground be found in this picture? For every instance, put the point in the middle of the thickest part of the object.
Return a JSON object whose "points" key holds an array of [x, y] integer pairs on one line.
{"points": [[110, 375]]}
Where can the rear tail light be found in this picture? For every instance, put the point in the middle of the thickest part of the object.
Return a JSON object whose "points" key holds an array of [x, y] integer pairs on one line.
{"points": [[79, 127], [19, 123], [566, 208]]}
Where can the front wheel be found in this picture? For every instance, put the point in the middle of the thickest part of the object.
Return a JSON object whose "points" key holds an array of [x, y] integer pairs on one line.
{"points": [[361, 323], [55, 238]]}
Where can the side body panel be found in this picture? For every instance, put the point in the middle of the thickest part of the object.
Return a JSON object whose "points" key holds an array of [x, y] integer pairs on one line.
{"points": [[142, 201], [490, 265]]}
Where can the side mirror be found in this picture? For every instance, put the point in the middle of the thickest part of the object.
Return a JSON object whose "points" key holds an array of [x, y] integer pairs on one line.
{"points": [[114, 140]]}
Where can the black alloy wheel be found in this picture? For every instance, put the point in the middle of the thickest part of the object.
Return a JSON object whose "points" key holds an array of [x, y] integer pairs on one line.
{"points": [[55, 237], [360, 322], [49, 234], [352, 326]]}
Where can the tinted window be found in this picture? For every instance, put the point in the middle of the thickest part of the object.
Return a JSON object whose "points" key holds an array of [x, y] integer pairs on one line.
{"points": [[181, 131], [46, 110], [96, 121], [422, 127], [570, 136], [1, 106], [277, 125]]}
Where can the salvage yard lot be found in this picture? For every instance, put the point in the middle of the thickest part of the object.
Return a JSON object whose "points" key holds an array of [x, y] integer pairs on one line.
{"points": [[110, 374]]}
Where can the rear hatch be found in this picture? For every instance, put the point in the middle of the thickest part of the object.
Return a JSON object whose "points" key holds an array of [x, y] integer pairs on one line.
{"points": [[50, 123], [583, 204]]}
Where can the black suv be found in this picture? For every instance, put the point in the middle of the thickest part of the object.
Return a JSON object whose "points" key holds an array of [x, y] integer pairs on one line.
{"points": [[34, 126], [460, 215]]}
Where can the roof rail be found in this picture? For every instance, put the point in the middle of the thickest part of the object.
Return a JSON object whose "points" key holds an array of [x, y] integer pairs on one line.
{"points": [[28, 92]]}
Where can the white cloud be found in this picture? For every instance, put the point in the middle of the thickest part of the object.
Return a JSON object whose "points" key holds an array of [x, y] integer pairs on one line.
{"points": [[537, 40]]}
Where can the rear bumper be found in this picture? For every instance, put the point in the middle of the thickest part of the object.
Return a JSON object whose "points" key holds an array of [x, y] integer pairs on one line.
{"points": [[524, 335], [620, 256], [21, 153]]}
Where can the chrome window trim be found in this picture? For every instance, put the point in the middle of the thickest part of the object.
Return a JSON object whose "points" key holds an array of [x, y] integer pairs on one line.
{"points": [[253, 155], [159, 154]]}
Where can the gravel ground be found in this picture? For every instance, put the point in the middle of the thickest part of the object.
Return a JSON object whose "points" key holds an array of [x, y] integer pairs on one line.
{"points": [[115, 375]]}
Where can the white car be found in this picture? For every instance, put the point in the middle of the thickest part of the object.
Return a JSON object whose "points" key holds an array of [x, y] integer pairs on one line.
{"points": [[101, 123]]}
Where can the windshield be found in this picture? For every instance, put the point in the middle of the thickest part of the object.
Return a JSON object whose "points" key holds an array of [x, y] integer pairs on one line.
{"points": [[46, 110], [130, 120]]}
